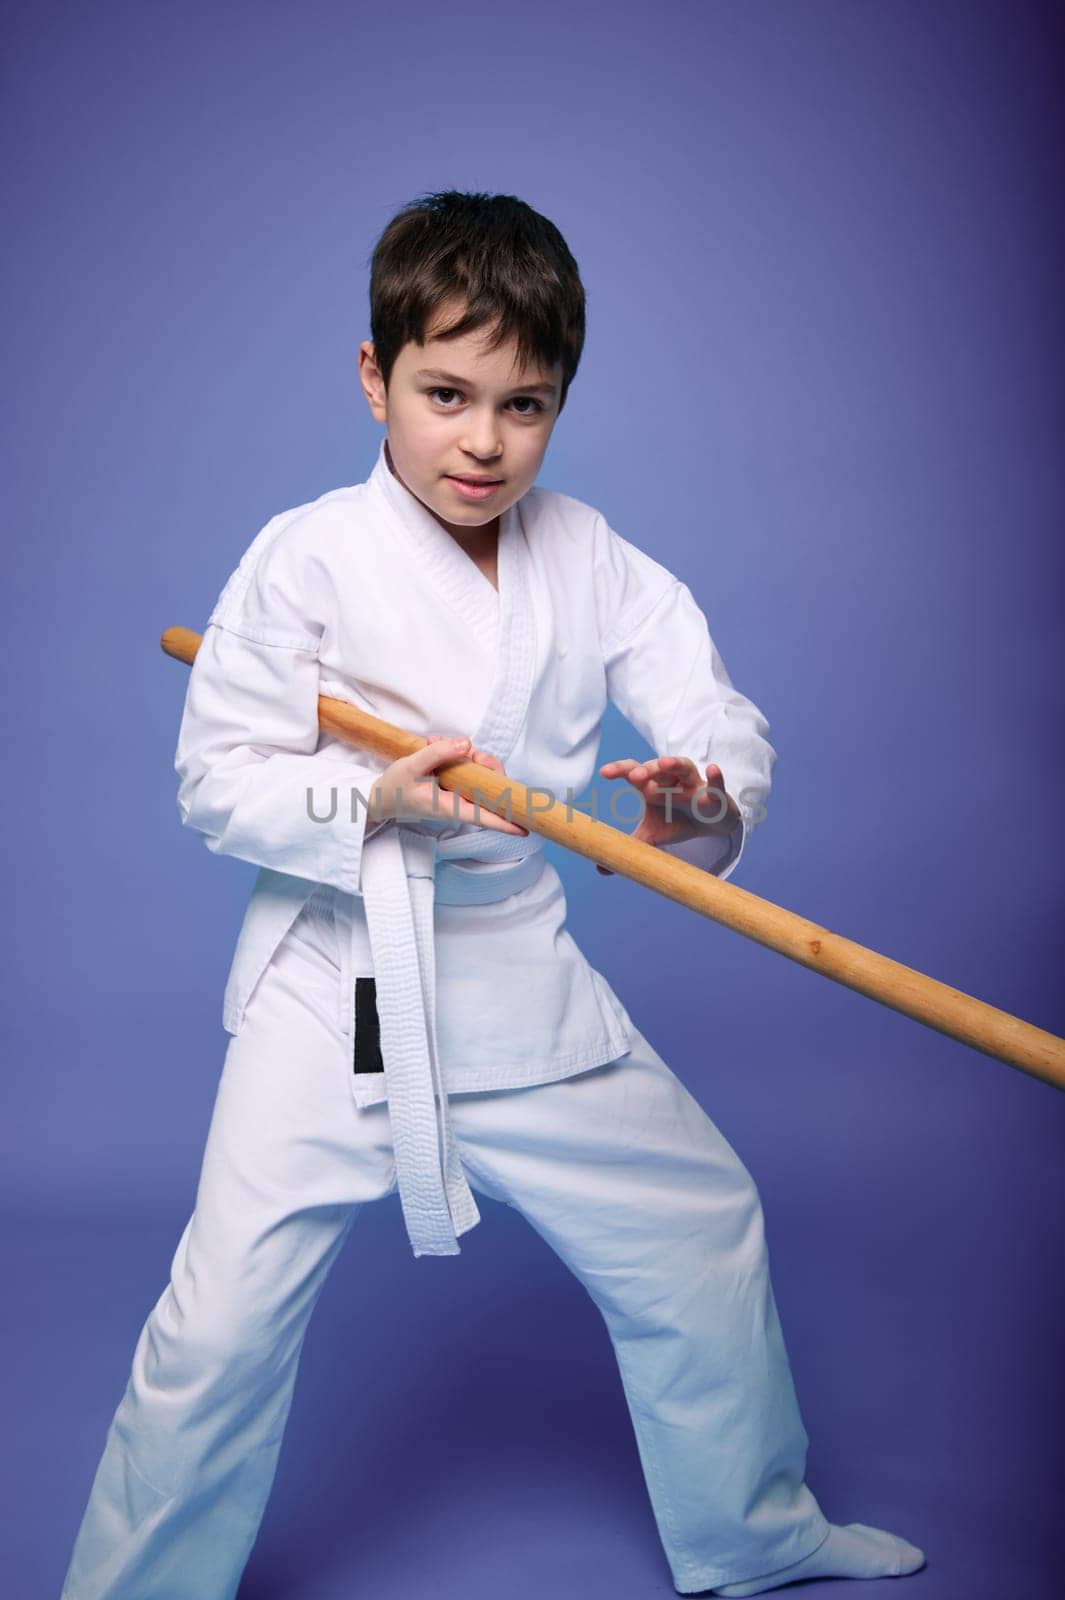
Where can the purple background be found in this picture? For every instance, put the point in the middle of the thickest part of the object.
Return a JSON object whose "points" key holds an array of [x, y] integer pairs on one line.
{"points": [[822, 383]]}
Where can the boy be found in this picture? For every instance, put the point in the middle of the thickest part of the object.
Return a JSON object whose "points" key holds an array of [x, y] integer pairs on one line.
{"points": [[407, 1010]]}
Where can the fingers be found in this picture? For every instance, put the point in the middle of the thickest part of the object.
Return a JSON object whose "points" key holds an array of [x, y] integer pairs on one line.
{"points": [[483, 759], [438, 751], [637, 772], [655, 775], [673, 770], [457, 749], [481, 817], [477, 812], [441, 750]]}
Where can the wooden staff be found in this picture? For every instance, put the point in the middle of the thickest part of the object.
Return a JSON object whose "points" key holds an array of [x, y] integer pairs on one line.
{"points": [[938, 1006]]}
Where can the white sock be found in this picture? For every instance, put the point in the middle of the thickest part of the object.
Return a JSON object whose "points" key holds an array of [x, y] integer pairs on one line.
{"points": [[853, 1551]]}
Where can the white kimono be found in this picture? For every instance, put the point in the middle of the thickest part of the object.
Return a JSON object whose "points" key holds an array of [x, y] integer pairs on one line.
{"points": [[362, 595]]}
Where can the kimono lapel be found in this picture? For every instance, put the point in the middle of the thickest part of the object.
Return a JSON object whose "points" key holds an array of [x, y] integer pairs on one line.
{"points": [[502, 622], [508, 700], [452, 573]]}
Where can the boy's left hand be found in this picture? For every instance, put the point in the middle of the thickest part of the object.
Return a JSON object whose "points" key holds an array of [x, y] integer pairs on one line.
{"points": [[668, 785]]}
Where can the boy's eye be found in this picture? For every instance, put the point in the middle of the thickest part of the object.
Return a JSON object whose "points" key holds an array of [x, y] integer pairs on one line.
{"points": [[443, 394]]}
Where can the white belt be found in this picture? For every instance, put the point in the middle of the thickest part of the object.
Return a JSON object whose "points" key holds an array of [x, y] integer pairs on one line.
{"points": [[403, 873]]}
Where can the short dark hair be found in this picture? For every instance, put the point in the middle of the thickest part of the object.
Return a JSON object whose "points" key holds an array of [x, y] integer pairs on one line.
{"points": [[510, 266]]}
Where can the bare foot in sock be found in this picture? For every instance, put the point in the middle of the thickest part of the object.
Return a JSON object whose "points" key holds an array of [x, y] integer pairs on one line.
{"points": [[852, 1551]]}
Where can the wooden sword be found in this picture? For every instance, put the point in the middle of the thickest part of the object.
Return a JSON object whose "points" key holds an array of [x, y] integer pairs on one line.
{"points": [[960, 1016]]}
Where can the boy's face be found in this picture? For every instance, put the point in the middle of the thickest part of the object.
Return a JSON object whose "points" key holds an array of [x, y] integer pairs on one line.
{"points": [[454, 410]]}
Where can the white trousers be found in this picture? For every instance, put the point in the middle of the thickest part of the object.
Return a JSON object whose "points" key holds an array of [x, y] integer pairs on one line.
{"points": [[618, 1168]]}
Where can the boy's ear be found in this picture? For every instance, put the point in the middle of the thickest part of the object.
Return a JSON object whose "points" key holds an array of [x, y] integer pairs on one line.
{"points": [[373, 386]]}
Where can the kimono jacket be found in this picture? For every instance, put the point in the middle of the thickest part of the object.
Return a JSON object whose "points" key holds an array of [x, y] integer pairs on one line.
{"points": [[363, 595]]}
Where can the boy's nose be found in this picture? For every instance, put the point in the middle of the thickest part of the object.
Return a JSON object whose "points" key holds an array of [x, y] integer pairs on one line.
{"points": [[482, 441]]}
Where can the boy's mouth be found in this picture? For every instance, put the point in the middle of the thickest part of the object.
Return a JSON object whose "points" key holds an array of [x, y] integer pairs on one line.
{"points": [[475, 488]]}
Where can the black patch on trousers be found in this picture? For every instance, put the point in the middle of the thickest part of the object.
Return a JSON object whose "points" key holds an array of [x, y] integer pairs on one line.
{"points": [[367, 1027]]}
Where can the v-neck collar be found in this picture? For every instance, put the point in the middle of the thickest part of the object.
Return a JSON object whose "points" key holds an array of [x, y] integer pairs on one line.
{"points": [[454, 572], [502, 621]]}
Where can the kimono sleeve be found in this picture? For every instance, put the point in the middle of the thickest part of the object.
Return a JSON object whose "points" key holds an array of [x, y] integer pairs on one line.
{"points": [[252, 778], [666, 676]]}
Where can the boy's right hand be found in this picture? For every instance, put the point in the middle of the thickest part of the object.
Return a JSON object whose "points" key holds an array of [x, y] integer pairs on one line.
{"points": [[406, 791]]}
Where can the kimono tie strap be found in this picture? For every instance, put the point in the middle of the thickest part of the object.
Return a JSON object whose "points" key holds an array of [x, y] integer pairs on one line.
{"points": [[403, 873]]}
